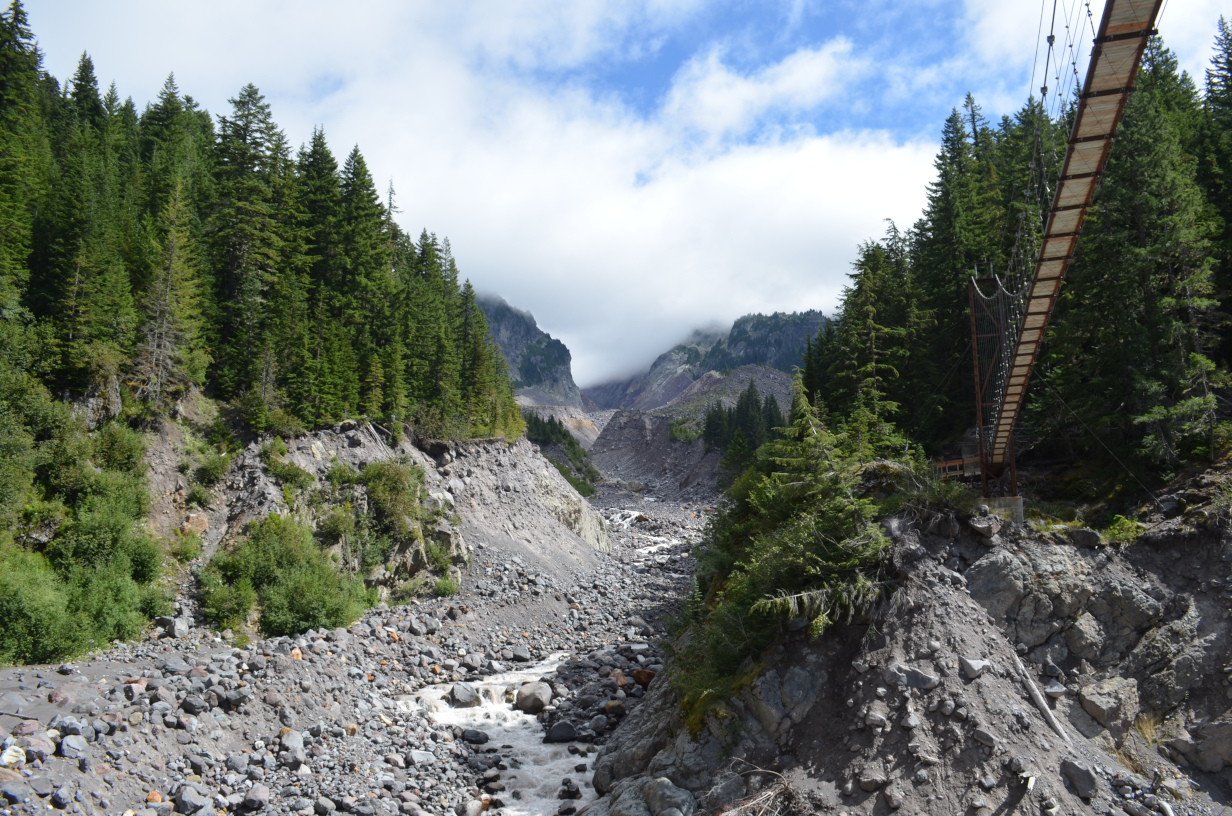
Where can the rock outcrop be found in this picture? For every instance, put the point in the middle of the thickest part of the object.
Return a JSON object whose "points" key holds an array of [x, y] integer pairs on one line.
{"points": [[539, 365], [937, 711]]}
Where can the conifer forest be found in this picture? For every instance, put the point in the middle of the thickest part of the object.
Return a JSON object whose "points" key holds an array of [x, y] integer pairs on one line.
{"points": [[151, 256], [1135, 366], [147, 253]]}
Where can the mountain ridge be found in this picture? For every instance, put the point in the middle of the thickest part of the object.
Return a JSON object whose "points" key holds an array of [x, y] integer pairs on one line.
{"points": [[777, 341], [540, 366]]}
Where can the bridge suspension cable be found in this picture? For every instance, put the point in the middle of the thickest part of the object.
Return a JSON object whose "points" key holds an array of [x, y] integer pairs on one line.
{"points": [[1010, 314]]}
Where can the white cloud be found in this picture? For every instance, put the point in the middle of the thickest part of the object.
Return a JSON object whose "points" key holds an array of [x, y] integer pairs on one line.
{"points": [[621, 228], [710, 98]]}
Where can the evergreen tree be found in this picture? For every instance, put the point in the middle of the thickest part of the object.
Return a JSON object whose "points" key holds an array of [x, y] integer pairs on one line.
{"points": [[170, 357]]}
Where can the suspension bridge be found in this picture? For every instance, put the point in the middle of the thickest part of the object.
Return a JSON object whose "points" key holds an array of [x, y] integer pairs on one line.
{"points": [[1010, 314]]}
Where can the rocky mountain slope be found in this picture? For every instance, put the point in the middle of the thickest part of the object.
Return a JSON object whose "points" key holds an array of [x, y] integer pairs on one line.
{"points": [[1012, 670], [636, 449], [776, 341], [690, 405], [490, 490], [539, 365]]}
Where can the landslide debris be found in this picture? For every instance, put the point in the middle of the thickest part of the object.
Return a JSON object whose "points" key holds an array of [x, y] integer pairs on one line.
{"points": [[935, 706]]}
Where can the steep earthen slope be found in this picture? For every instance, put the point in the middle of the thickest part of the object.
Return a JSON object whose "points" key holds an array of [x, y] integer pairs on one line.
{"points": [[637, 447], [1011, 671]]}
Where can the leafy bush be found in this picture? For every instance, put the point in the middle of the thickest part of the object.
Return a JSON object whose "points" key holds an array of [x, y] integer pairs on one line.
{"points": [[290, 475], [34, 604], [278, 564], [446, 587], [272, 450], [1121, 530], [395, 489], [552, 431], [339, 522], [220, 436], [438, 556], [227, 605], [212, 468], [185, 546], [340, 473], [199, 495], [119, 448], [281, 422], [680, 431]]}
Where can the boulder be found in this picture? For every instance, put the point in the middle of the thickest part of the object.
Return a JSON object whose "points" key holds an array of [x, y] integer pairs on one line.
{"points": [[799, 692], [190, 800], [873, 779], [463, 695], [973, 667], [765, 701], [1084, 537], [74, 746], [532, 697], [256, 798], [561, 731], [998, 582], [986, 526], [16, 792], [1081, 777], [1085, 638], [911, 677], [661, 795], [293, 749], [1113, 703], [194, 704]]}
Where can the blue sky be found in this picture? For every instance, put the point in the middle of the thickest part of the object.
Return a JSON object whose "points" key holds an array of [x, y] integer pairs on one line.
{"points": [[628, 170]]}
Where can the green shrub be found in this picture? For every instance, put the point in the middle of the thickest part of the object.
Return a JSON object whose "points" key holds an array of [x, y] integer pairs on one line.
{"points": [[446, 587], [278, 564], [220, 436], [198, 495], [227, 605], [81, 570], [339, 522], [272, 450], [288, 474], [1121, 530], [680, 431], [291, 475], [34, 606], [117, 447], [340, 473], [582, 486], [395, 490], [283, 423], [185, 547], [212, 468], [374, 550], [438, 557]]}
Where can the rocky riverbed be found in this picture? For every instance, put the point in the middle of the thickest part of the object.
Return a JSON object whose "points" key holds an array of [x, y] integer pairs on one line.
{"points": [[436, 707]]}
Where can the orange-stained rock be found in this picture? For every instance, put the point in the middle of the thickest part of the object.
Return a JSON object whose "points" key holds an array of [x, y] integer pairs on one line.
{"points": [[296, 654], [351, 729], [195, 523], [153, 797]]}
